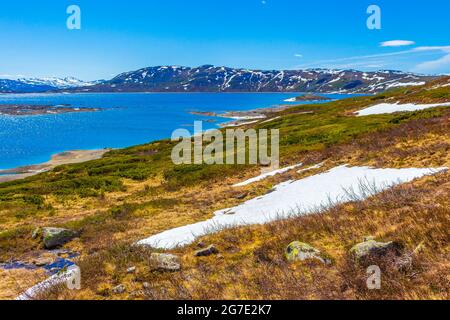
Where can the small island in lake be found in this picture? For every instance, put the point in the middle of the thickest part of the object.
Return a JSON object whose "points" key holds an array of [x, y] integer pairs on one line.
{"points": [[30, 110], [308, 97]]}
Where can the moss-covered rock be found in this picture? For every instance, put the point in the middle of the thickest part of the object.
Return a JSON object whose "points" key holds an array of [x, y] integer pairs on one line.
{"points": [[300, 251], [370, 248], [55, 237]]}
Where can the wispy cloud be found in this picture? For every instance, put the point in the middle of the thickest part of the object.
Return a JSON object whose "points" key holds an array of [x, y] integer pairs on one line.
{"points": [[355, 59], [397, 43], [436, 65], [385, 60], [298, 55], [433, 48]]}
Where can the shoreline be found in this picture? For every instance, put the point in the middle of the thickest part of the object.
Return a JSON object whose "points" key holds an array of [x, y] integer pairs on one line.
{"points": [[155, 92], [67, 157], [240, 118]]}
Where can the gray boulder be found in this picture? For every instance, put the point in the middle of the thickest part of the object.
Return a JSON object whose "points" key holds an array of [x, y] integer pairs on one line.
{"points": [[300, 251], [119, 289], [206, 251], [165, 262], [370, 248], [55, 237]]}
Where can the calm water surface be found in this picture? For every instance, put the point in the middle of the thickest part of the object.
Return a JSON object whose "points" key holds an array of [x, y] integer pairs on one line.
{"points": [[125, 120]]}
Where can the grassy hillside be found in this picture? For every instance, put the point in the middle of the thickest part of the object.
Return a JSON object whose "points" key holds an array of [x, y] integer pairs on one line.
{"points": [[133, 193]]}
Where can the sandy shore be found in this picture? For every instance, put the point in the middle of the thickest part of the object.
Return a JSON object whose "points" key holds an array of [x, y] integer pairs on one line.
{"points": [[67, 157]]}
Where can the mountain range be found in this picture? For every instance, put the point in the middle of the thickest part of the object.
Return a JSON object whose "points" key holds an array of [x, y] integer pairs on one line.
{"points": [[38, 85], [209, 78]]}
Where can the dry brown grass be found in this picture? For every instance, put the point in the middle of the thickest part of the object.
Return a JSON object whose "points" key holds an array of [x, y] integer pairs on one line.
{"points": [[251, 264]]}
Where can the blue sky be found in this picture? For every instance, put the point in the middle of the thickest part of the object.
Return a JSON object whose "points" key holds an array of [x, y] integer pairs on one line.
{"points": [[271, 34]]}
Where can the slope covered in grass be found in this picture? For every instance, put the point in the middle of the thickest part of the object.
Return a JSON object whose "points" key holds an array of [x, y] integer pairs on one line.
{"points": [[137, 192]]}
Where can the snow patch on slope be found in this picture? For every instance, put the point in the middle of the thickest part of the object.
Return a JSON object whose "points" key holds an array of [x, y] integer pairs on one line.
{"points": [[395, 107], [61, 83], [266, 175], [405, 84], [294, 198]]}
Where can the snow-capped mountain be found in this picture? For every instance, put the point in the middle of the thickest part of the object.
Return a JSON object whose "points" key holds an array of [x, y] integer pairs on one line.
{"points": [[37, 85], [14, 86], [210, 78], [59, 83]]}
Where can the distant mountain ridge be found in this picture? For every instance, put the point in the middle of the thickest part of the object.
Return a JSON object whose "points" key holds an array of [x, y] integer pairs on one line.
{"points": [[59, 83], [38, 85], [209, 78]]}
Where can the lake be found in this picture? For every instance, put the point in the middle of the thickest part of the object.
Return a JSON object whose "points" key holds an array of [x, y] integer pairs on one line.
{"points": [[126, 119]]}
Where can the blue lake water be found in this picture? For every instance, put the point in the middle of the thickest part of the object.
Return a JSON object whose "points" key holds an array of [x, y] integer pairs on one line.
{"points": [[126, 119]]}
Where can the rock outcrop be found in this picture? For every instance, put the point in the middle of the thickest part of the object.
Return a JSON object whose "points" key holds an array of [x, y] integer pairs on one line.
{"points": [[370, 248], [54, 237], [165, 262], [300, 251]]}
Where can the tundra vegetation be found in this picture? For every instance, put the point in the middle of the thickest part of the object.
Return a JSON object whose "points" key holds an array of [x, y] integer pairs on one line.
{"points": [[133, 193]]}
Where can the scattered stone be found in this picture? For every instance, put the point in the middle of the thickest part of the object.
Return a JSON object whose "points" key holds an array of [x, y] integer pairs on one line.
{"points": [[206, 251], [55, 237], [165, 262], [119, 289], [40, 262], [131, 270], [300, 251], [370, 248]]}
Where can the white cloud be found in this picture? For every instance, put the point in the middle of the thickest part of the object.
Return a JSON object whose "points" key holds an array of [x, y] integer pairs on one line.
{"points": [[436, 65], [397, 43], [433, 65], [298, 55], [433, 48]]}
